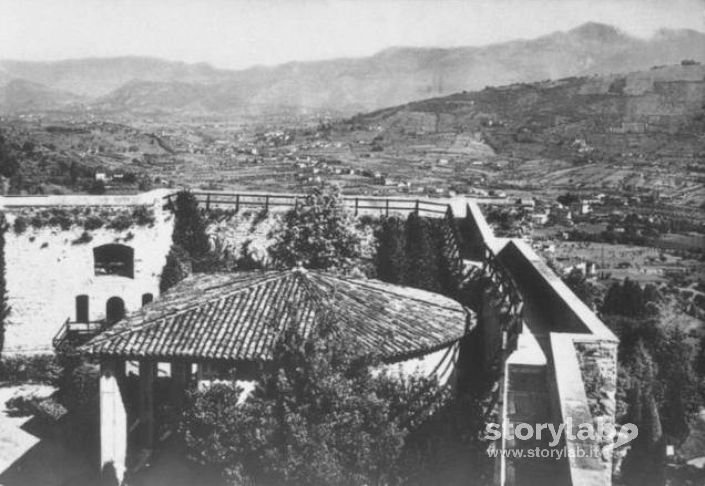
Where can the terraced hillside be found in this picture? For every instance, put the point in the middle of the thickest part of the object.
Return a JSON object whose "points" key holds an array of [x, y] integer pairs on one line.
{"points": [[639, 131]]}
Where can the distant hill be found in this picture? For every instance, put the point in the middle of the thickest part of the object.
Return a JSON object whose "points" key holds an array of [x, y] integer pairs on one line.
{"points": [[95, 77], [21, 96], [638, 131], [643, 112], [393, 76]]}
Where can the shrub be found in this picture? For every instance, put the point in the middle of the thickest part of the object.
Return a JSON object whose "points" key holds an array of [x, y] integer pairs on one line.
{"points": [[120, 222], [93, 223], [143, 216], [145, 184], [20, 225], [61, 219], [41, 368], [50, 408], [78, 385], [79, 394], [22, 404], [32, 403], [85, 237]]}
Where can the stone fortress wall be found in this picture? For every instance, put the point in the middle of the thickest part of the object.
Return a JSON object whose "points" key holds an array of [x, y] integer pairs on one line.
{"points": [[562, 344], [563, 351], [48, 267]]}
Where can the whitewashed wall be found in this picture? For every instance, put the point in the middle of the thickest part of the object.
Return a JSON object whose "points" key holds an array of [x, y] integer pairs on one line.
{"points": [[45, 271]]}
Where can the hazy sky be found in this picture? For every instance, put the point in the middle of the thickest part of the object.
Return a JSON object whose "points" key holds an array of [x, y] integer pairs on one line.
{"points": [[240, 33]]}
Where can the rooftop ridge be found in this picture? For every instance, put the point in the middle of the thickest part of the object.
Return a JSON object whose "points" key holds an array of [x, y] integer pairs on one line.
{"points": [[380, 286]]}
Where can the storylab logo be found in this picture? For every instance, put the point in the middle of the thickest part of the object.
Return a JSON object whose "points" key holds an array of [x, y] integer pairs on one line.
{"points": [[603, 433]]}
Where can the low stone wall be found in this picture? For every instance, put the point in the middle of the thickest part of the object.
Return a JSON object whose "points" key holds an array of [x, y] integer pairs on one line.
{"points": [[566, 312], [590, 461], [563, 341]]}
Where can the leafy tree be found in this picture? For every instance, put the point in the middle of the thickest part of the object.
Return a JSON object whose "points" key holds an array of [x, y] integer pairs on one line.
{"points": [[318, 416], [422, 258], [568, 198], [144, 183], [390, 258], [625, 299], [318, 233], [97, 188], [190, 227], [667, 356], [9, 164], [578, 283]]}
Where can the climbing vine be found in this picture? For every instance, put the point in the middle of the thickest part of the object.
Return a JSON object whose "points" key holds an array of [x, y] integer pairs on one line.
{"points": [[4, 306]]}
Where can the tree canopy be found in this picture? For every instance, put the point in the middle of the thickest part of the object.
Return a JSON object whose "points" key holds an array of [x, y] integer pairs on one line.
{"points": [[318, 234], [320, 415]]}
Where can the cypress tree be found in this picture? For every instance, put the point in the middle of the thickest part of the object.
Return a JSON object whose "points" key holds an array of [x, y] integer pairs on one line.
{"points": [[177, 268], [190, 226], [390, 258], [422, 258], [449, 273], [644, 464]]}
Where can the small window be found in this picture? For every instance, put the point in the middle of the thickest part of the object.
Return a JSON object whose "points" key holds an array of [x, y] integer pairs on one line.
{"points": [[147, 298], [114, 310], [81, 308], [114, 259]]}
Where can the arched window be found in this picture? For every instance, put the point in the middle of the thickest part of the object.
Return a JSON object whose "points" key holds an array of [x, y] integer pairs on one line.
{"points": [[114, 310], [81, 308], [114, 259], [147, 298]]}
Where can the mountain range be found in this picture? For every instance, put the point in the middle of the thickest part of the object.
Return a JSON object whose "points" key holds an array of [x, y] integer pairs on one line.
{"points": [[140, 85]]}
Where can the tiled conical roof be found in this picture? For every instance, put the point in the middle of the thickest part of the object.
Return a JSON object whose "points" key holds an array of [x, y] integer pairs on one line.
{"points": [[238, 316]]}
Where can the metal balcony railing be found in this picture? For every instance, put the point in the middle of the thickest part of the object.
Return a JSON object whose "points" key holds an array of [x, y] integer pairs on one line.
{"points": [[76, 333]]}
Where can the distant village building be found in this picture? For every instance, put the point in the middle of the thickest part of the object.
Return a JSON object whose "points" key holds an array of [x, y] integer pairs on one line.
{"points": [[540, 218], [526, 203], [561, 215]]}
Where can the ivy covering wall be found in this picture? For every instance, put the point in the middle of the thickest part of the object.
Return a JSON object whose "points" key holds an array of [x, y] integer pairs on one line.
{"points": [[4, 306]]}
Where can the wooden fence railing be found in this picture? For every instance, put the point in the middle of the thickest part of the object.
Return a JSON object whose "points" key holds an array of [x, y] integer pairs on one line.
{"points": [[356, 204]]}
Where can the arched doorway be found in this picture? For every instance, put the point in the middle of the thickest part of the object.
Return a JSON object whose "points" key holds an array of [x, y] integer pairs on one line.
{"points": [[114, 310]]}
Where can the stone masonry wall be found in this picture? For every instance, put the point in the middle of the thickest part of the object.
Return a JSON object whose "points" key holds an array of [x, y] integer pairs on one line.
{"points": [[46, 268], [598, 366]]}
